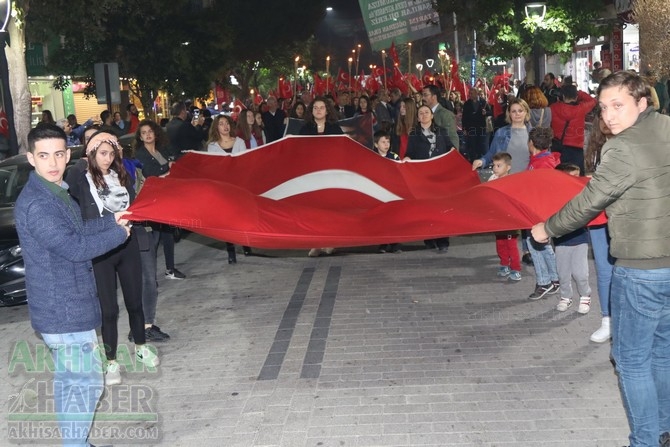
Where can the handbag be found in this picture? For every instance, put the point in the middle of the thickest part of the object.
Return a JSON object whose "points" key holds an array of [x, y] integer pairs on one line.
{"points": [[556, 143], [489, 124]]}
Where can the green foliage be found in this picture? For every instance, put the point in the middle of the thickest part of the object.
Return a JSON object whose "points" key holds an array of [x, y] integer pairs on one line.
{"points": [[507, 33], [179, 45], [482, 70]]}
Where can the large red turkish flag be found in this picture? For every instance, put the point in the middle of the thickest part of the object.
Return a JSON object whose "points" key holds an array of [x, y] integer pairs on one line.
{"points": [[329, 191]]}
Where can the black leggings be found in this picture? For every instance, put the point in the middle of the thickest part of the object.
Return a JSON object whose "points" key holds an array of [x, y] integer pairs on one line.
{"points": [[126, 262], [165, 234]]}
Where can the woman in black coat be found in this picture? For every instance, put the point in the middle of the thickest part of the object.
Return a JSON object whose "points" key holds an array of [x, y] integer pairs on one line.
{"points": [[321, 119], [427, 140]]}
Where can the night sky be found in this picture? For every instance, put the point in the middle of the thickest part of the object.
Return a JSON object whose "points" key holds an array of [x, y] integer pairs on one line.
{"points": [[341, 30]]}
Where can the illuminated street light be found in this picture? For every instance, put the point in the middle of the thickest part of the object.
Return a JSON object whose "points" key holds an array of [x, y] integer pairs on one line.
{"points": [[536, 11]]}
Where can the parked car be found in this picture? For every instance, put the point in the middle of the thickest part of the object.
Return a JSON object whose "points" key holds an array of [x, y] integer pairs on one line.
{"points": [[14, 173], [12, 274]]}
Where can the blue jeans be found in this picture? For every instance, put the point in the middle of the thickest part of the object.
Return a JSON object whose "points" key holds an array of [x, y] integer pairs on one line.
{"points": [[78, 383], [641, 348], [544, 262], [604, 265]]}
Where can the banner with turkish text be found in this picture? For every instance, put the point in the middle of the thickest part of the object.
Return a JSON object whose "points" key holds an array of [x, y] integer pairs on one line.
{"points": [[401, 21]]}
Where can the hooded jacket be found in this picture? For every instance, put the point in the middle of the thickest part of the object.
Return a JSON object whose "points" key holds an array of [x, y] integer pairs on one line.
{"points": [[544, 160]]}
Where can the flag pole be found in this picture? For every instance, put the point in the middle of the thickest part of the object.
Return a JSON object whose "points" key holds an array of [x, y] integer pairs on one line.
{"points": [[409, 57], [327, 73], [384, 65]]}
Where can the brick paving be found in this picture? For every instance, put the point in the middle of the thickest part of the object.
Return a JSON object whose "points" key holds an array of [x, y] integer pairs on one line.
{"points": [[365, 349]]}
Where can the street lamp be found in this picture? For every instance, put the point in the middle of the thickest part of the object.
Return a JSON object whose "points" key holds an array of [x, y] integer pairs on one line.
{"points": [[535, 12]]}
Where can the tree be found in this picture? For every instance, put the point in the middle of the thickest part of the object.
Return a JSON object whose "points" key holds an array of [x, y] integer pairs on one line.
{"points": [[505, 31], [18, 75], [173, 46], [653, 17]]}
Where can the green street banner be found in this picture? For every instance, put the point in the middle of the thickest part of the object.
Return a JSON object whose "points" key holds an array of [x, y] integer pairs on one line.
{"points": [[401, 21]]}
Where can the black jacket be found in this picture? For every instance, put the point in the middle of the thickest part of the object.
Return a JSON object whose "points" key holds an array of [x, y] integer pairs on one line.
{"points": [[329, 129], [184, 136], [80, 190], [150, 166], [473, 118], [274, 125], [418, 146]]}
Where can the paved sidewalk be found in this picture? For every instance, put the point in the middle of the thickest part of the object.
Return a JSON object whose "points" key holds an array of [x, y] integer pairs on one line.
{"points": [[361, 349]]}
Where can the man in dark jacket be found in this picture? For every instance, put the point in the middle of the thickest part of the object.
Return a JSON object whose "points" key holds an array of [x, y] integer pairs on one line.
{"points": [[475, 112], [57, 247], [273, 121], [632, 184], [184, 135]]}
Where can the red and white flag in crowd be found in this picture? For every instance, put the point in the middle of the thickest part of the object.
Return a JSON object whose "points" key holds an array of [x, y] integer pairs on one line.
{"points": [[299, 198]]}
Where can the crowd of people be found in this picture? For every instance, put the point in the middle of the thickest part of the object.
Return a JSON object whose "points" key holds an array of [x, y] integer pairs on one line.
{"points": [[539, 127]]}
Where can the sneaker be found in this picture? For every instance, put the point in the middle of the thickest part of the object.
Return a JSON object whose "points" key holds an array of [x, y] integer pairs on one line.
{"points": [[664, 441], [314, 252], [154, 333], [504, 271], [328, 251], [540, 291], [584, 305], [144, 354], [527, 259], [603, 333], [514, 275], [112, 373], [564, 304], [174, 274], [555, 287]]}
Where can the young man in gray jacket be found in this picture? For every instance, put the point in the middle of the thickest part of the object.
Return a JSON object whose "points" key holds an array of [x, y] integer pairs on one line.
{"points": [[57, 248], [633, 185]]}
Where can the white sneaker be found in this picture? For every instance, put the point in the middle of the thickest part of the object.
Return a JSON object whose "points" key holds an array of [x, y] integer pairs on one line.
{"points": [[328, 251], [564, 304], [603, 333], [112, 373], [147, 356], [584, 305], [314, 252]]}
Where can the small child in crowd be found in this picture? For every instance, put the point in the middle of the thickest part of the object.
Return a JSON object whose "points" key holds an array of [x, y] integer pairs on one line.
{"points": [[383, 147], [572, 260], [544, 260], [506, 242]]}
